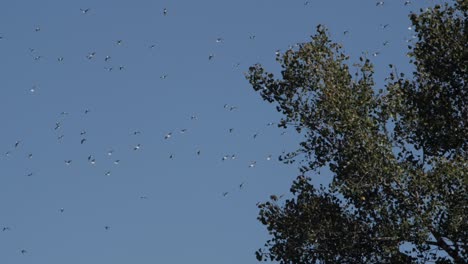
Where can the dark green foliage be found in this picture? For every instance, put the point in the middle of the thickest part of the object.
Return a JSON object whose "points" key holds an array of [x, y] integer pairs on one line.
{"points": [[398, 156]]}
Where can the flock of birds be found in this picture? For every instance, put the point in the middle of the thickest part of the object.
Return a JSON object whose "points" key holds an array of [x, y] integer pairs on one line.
{"points": [[92, 159]]}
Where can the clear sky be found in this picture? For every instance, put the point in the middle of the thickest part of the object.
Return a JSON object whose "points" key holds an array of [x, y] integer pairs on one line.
{"points": [[121, 75]]}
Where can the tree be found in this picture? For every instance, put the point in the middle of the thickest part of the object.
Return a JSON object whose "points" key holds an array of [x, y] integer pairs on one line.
{"points": [[398, 155]]}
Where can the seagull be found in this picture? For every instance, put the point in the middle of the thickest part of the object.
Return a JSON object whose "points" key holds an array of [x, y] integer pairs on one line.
{"points": [[60, 137], [121, 67], [255, 135], [91, 55], [386, 43], [6, 228], [87, 111], [252, 164], [168, 135], [109, 68], [219, 40], [110, 152], [171, 156], [107, 58], [231, 129], [137, 147], [85, 11], [107, 227], [225, 194], [346, 32], [152, 46], [193, 117], [37, 29], [23, 251], [375, 54], [68, 162], [17, 143], [33, 89], [82, 133], [60, 59], [108, 173], [270, 124], [233, 156], [198, 152], [83, 141], [164, 76], [30, 155], [165, 11], [116, 162], [225, 157], [29, 174], [57, 125], [407, 2], [137, 132], [241, 186], [144, 197], [7, 153], [268, 157], [61, 210], [252, 37], [232, 108], [211, 56], [380, 3], [119, 42], [183, 130]]}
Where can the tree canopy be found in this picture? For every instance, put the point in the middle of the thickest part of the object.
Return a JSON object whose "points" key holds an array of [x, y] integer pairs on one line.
{"points": [[398, 154]]}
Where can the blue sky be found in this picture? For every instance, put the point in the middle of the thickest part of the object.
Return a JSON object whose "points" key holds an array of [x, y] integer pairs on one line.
{"points": [[157, 209]]}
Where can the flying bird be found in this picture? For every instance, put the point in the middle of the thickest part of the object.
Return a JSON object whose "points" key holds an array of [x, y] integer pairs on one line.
{"points": [[165, 11], [68, 162], [83, 141], [85, 11], [137, 147]]}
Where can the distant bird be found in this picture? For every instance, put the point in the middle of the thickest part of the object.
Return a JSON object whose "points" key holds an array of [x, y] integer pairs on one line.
{"points": [[255, 135], [183, 130], [152, 46], [407, 2], [92, 161], [83, 140], [137, 147], [386, 43], [171, 156], [33, 89], [37, 29], [164, 76], [232, 108], [380, 3], [136, 132], [61, 210], [384, 26], [23, 251], [107, 227], [108, 173], [6, 228], [7, 153], [144, 197], [85, 11], [225, 194], [346, 32], [30, 155], [375, 54], [193, 117], [231, 130], [241, 186], [165, 11], [211, 56], [17, 143], [110, 152], [268, 157], [121, 68], [252, 164], [119, 42], [83, 132], [36, 58], [116, 162], [29, 174], [60, 137], [219, 40], [252, 37], [225, 157], [86, 111], [64, 113], [91, 55], [168, 135], [198, 152], [270, 124], [107, 58], [233, 156], [109, 68], [68, 162], [60, 59], [57, 125]]}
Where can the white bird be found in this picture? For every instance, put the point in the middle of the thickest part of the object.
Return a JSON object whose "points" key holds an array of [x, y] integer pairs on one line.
{"points": [[268, 157], [137, 147], [252, 164], [68, 162], [110, 152], [107, 58], [116, 162], [119, 42], [17, 143], [165, 11], [219, 40], [85, 11], [108, 173], [225, 194], [60, 59], [168, 135], [380, 3]]}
